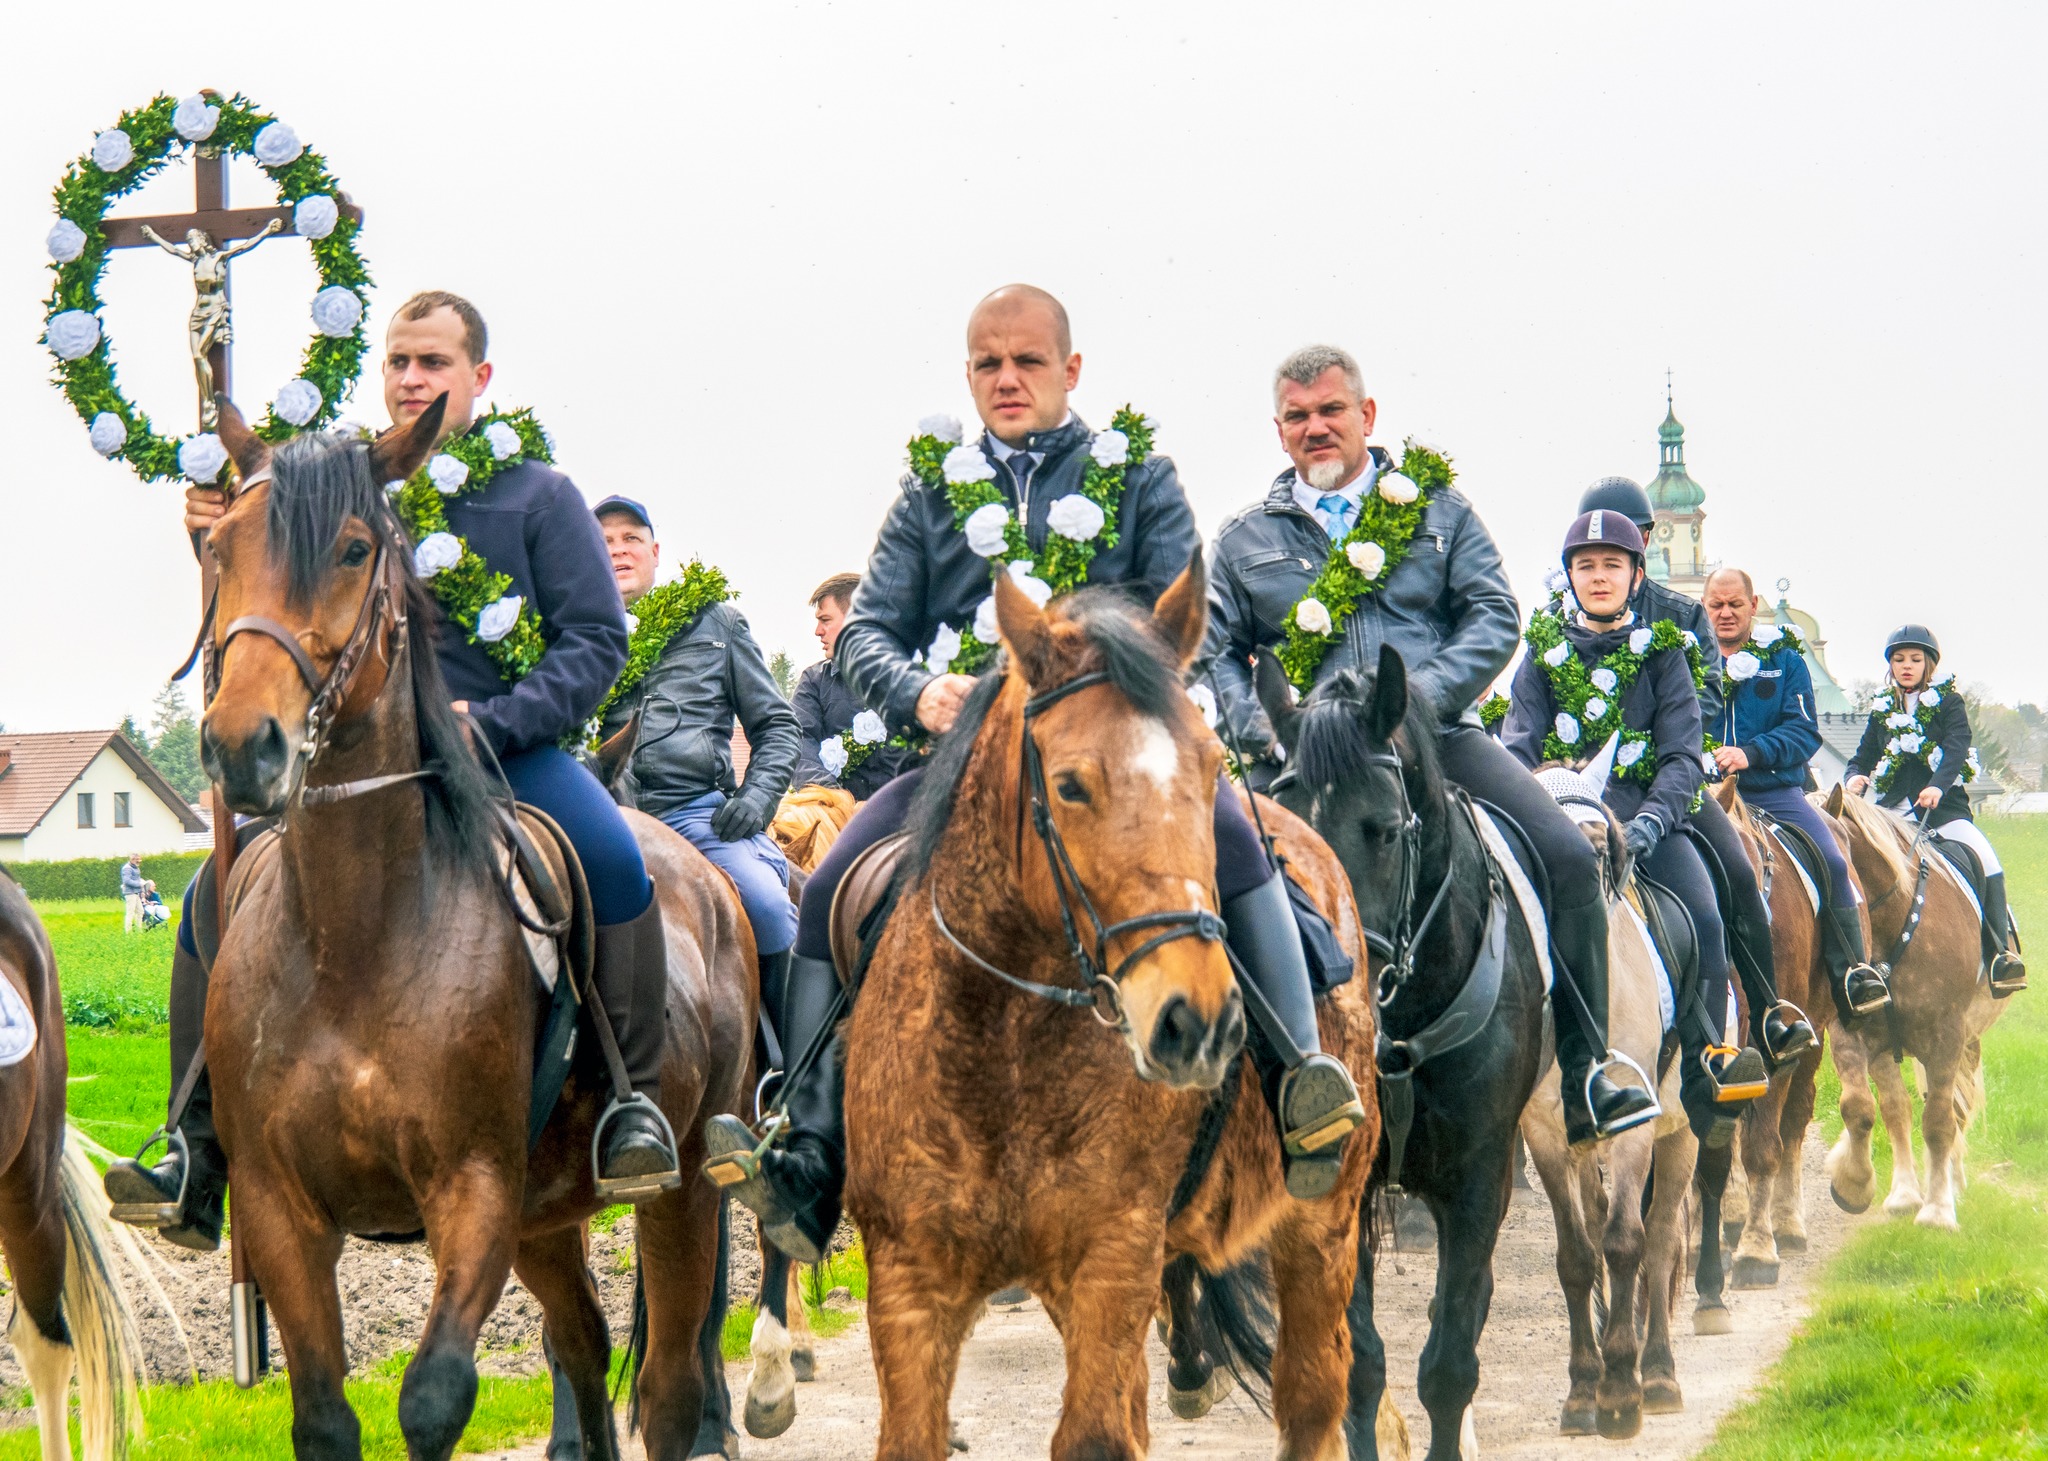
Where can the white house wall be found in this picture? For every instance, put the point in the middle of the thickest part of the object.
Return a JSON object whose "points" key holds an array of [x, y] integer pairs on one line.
{"points": [[59, 838]]}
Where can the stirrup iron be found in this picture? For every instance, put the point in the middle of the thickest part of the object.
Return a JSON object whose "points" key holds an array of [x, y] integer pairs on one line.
{"points": [[729, 1169], [637, 1188], [1733, 1081], [1612, 1059], [158, 1214]]}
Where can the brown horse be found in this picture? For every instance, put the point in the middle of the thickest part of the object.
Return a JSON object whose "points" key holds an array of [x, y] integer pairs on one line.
{"points": [[1941, 1006], [996, 1136], [69, 1311], [373, 1013]]}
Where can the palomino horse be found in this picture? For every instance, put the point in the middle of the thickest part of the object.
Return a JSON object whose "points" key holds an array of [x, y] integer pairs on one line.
{"points": [[69, 1310], [1454, 958], [373, 1010], [998, 1131], [1928, 929]]}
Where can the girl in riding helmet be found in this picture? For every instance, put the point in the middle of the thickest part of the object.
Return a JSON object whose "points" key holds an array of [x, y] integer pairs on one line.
{"points": [[1916, 753], [1593, 673]]}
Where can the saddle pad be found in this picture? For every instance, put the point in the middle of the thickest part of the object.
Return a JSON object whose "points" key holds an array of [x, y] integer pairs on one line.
{"points": [[1525, 892], [560, 863], [17, 1025], [1963, 873], [1797, 856], [865, 885], [1667, 1002]]}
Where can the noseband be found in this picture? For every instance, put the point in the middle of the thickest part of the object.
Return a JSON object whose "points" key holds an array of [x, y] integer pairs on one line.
{"points": [[1102, 981]]}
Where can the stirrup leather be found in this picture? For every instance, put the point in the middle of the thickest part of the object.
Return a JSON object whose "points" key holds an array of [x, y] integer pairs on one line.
{"points": [[644, 1185], [159, 1214], [1740, 1085]]}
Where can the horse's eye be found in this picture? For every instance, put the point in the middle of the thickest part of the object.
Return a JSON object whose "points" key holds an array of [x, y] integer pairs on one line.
{"points": [[1388, 835], [356, 554], [1071, 790]]}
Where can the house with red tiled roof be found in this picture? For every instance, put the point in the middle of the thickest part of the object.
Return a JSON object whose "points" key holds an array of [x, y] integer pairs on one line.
{"points": [[68, 794]]}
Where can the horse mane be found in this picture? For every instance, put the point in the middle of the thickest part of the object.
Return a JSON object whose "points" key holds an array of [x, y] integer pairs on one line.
{"points": [[1883, 830], [319, 481], [1121, 642], [1336, 744]]}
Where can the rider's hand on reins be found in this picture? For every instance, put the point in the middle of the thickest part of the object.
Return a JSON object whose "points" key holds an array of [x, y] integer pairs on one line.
{"points": [[1855, 784], [1731, 759], [1928, 797]]}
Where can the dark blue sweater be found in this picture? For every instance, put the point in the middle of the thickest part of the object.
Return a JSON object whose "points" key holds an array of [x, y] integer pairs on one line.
{"points": [[533, 525]]}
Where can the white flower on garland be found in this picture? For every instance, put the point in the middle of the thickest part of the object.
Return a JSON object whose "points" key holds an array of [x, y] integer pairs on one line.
{"points": [[1692, 640], [945, 644], [1892, 744], [1557, 654], [1367, 557], [1930, 698], [1398, 489], [966, 464], [315, 216], [337, 310], [986, 528], [1312, 616], [298, 401], [1912, 743], [1036, 589], [832, 755], [66, 241], [1934, 759], [1971, 761], [277, 144], [1556, 581], [868, 729], [1075, 516], [502, 439], [436, 552], [1878, 772], [632, 623], [1742, 665], [985, 627], [497, 619], [447, 473], [109, 433], [1595, 708], [1638, 641], [201, 457], [1109, 448], [1898, 720], [1604, 680], [112, 151], [1766, 635], [1629, 752], [1567, 728], [195, 118], [1205, 703], [73, 334], [945, 428]]}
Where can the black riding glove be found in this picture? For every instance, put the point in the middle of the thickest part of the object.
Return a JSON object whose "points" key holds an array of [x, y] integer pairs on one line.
{"points": [[745, 814], [1642, 835]]}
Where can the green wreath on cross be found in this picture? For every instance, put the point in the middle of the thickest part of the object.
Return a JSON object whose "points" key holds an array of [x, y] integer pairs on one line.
{"points": [[124, 157]]}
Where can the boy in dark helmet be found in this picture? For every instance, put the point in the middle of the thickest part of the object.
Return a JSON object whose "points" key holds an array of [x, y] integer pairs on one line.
{"points": [[1916, 753]]}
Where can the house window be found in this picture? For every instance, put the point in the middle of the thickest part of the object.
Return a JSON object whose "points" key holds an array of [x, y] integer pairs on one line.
{"points": [[121, 810], [85, 809]]}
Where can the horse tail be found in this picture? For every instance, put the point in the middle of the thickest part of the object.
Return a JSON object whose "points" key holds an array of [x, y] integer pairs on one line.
{"points": [[636, 1344], [104, 1336], [1235, 1312]]}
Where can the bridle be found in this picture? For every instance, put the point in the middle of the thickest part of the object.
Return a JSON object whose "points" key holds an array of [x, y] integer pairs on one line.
{"points": [[1397, 950], [1101, 986]]}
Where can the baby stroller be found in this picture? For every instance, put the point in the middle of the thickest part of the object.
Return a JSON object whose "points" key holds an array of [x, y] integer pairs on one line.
{"points": [[154, 914]]}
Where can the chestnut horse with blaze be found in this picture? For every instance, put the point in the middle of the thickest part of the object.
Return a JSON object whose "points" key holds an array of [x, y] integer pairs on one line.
{"points": [[998, 1133], [373, 1012]]}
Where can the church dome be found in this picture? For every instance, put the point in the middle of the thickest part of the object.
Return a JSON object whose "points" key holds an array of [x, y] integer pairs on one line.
{"points": [[1673, 490]]}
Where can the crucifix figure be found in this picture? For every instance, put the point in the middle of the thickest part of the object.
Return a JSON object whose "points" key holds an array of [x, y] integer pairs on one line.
{"points": [[210, 323]]}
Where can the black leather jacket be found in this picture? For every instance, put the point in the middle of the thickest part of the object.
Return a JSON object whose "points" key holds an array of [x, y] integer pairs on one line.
{"points": [[825, 707], [708, 673], [1652, 602], [923, 574], [1448, 608]]}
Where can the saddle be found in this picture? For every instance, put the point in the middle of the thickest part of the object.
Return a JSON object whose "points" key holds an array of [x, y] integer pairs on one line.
{"points": [[1799, 846], [1676, 941], [861, 903], [1963, 859]]}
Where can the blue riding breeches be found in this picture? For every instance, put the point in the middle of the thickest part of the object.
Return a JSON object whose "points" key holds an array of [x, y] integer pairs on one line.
{"points": [[756, 866], [556, 782], [1789, 804]]}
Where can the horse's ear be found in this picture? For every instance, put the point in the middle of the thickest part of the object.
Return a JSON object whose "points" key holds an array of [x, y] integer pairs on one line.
{"points": [[1389, 694], [616, 753], [1182, 612], [403, 450], [1024, 630], [1724, 793], [1277, 696], [1834, 806], [248, 450]]}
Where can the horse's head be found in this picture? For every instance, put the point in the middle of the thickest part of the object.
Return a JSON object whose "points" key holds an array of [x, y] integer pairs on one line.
{"points": [[1128, 774], [314, 580], [1879, 844]]}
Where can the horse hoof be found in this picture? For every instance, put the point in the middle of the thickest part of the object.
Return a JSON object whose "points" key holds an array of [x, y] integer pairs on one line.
{"points": [[1754, 1273], [1619, 1422], [803, 1362], [1899, 1207], [1712, 1319], [1791, 1243], [771, 1390], [1853, 1208], [1577, 1420], [1662, 1396], [1934, 1215], [1194, 1404], [766, 1421]]}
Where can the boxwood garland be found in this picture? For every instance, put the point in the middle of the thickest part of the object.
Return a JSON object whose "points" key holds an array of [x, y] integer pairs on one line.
{"points": [[657, 617], [84, 198], [1919, 724], [1573, 691]]}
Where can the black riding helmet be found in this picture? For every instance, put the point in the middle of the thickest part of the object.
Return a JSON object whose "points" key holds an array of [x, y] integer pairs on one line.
{"points": [[1602, 528], [1913, 636], [1619, 494]]}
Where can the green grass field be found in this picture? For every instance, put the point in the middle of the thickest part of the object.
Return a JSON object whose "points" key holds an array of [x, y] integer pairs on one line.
{"points": [[1927, 1344], [111, 979]]}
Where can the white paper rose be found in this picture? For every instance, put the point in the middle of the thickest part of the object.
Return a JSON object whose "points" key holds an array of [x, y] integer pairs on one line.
{"points": [[1109, 448], [1971, 760], [1036, 589], [497, 619], [195, 118], [298, 401], [436, 552], [832, 755], [447, 473], [1595, 708], [1604, 680], [1940, 680], [1398, 489], [1892, 744], [1312, 616], [501, 439], [1629, 753], [632, 623], [109, 433], [1074, 516], [868, 729], [277, 144], [985, 627], [945, 428], [1911, 744], [968, 464], [1557, 654], [1877, 772], [314, 216], [65, 241], [1567, 728], [1205, 703], [1934, 759], [1691, 639], [73, 334], [1931, 698], [1639, 641], [945, 644], [1766, 635], [336, 310], [1898, 720], [1742, 665], [985, 529], [1367, 557], [112, 151], [1556, 581], [201, 457]]}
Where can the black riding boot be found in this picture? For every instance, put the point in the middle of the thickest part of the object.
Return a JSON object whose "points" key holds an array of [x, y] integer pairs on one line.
{"points": [[1579, 939], [149, 1196], [2008, 970], [1312, 1093], [1858, 988], [768, 1037], [1715, 1081], [1749, 944], [794, 1186], [638, 1156]]}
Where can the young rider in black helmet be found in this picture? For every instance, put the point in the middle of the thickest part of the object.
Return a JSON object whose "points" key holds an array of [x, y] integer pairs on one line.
{"points": [[1916, 752], [1609, 674]]}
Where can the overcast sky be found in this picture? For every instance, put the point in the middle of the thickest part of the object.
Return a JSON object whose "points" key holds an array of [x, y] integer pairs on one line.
{"points": [[727, 254]]}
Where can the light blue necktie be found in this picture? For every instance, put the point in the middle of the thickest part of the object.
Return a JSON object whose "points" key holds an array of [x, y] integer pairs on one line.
{"points": [[1334, 509]]}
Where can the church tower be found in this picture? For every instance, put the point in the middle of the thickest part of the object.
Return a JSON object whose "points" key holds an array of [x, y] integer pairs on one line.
{"points": [[1677, 554]]}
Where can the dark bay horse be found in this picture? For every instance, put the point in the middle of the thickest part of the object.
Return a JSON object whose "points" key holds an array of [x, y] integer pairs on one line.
{"points": [[997, 1136], [70, 1312], [373, 1014]]}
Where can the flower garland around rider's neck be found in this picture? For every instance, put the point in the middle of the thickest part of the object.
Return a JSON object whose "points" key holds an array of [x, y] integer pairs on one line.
{"points": [[1912, 734], [1764, 641], [1388, 519], [851, 748], [656, 618], [1588, 701], [1082, 523]]}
